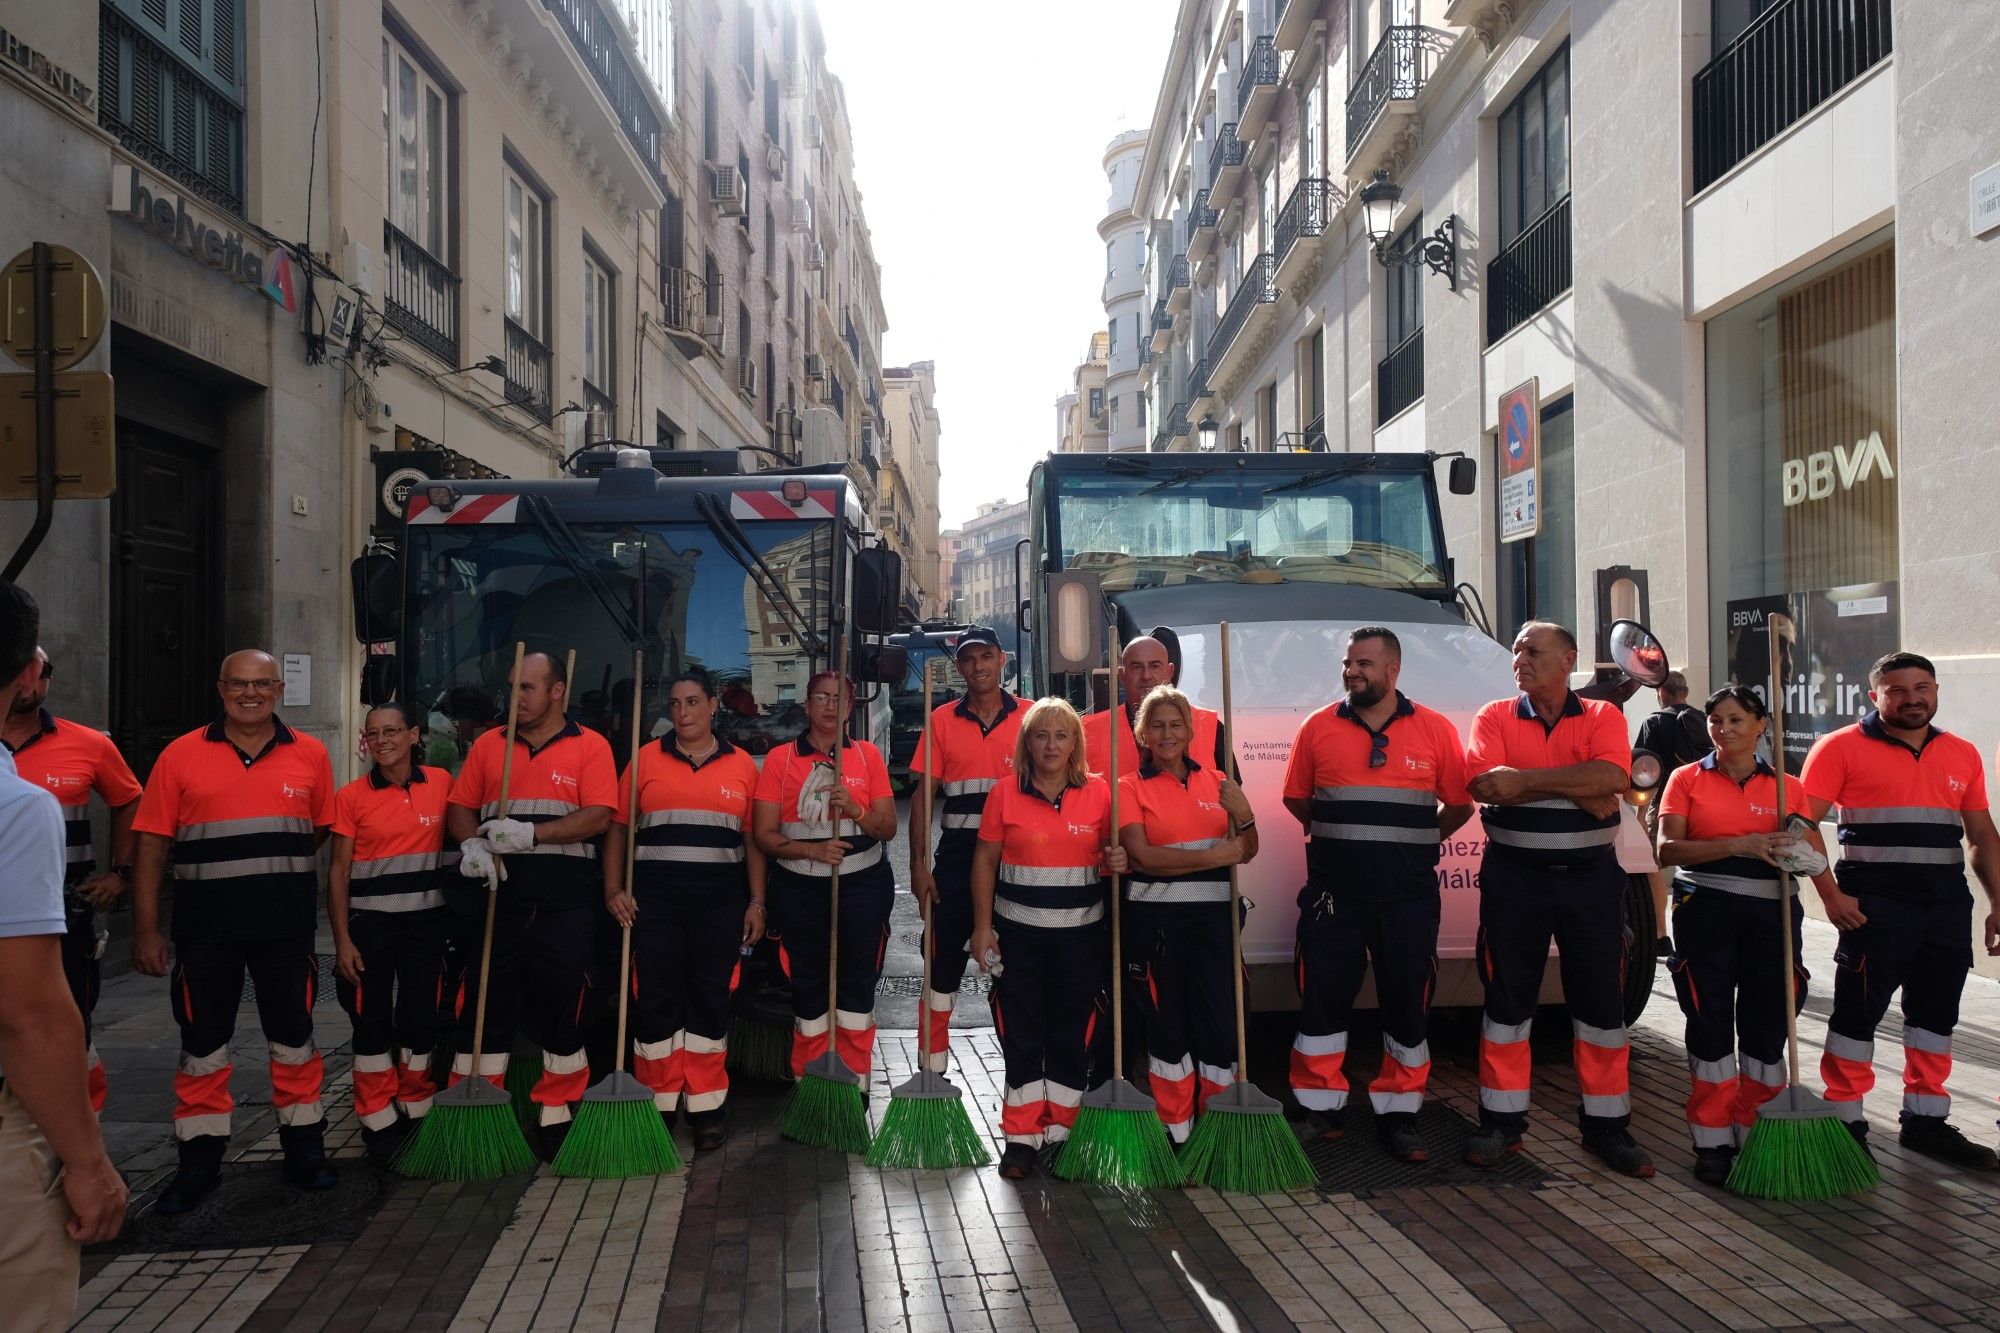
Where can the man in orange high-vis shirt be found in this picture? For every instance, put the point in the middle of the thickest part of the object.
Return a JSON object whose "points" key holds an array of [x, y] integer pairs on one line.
{"points": [[1549, 768], [1143, 665], [545, 844], [1909, 797], [70, 761], [243, 805]]}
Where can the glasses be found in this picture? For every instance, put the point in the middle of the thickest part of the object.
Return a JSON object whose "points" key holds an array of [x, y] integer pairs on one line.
{"points": [[48, 671], [1378, 749], [264, 686], [384, 734], [822, 697]]}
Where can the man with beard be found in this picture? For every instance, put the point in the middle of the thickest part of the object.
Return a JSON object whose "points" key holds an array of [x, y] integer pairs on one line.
{"points": [[1910, 797], [970, 750], [1144, 664], [70, 761], [1379, 783]]}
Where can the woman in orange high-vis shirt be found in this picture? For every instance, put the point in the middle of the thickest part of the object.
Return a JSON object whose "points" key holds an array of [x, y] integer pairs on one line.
{"points": [[1719, 828], [1038, 905], [807, 827], [1183, 824], [389, 925], [696, 899]]}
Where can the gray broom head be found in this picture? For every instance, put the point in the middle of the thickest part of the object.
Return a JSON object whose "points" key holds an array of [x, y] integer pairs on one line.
{"points": [[618, 1086], [832, 1068], [927, 1085], [1119, 1095], [1243, 1098], [473, 1090]]}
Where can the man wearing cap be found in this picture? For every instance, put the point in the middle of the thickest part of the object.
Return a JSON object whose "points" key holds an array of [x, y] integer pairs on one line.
{"points": [[967, 748]]}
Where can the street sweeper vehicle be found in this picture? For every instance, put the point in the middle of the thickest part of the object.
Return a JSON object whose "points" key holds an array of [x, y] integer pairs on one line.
{"points": [[1294, 550]]}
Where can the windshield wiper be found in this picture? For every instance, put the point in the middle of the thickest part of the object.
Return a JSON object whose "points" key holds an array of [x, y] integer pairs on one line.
{"points": [[564, 545], [737, 542], [1356, 463], [1179, 478]]}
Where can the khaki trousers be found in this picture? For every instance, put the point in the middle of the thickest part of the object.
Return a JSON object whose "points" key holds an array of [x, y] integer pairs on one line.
{"points": [[38, 1260]]}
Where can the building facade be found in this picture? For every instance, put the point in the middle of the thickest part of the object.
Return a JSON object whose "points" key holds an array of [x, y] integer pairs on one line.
{"points": [[915, 437], [1123, 232], [982, 565], [1717, 253], [1084, 413]]}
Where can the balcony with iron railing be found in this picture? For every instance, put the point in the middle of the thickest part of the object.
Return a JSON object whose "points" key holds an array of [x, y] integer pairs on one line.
{"points": [[168, 114], [1177, 285], [1254, 295], [528, 371], [1301, 223], [1789, 61], [848, 336], [1294, 22], [836, 395], [1399, 378], [684, 302], [611, 78], [1385, 95], [419, 296], [1315, 434], [1256, 89], [1160, 438], [1162, 326], [1202, 221], [1528, 274], [1225, 162], [1200, 396], [1177, 424]]}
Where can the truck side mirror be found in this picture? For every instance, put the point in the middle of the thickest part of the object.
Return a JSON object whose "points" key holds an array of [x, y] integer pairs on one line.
{"points": [[1463, 476], [888, 663], [1637, 653], [378, 597], [878, 585], [378, 679]]}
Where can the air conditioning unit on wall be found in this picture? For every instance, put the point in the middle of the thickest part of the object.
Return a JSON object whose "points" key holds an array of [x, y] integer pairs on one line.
{"points": [[727, 191]]}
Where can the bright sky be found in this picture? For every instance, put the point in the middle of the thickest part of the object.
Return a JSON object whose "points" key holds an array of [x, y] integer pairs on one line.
{"points": [[979, 138]]}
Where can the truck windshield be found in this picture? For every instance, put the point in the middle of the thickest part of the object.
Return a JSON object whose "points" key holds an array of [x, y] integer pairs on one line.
{"points": [[475, 589], [1226, 526]]}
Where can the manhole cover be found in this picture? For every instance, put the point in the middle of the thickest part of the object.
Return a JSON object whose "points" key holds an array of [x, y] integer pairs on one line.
{"points": [[1358, 1164], [255, 1207]]}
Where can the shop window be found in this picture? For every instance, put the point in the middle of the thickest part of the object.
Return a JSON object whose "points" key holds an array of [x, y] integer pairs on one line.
{"points": [[1803, 466], [1538, 574]]}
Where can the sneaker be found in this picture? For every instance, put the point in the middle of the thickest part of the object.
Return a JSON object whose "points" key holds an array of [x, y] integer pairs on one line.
{"points": [[186, 1190], [1934, 1136], [1318, 1127], [1712, 1165], [1489, 1146], [1400, 1137], [1017, 1162], [1619, 1152]]}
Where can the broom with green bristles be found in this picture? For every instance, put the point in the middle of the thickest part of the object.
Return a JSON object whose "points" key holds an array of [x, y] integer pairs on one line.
{"points": [[1118, 1138], [471, 1132], [828, 1107], [618, 1133], [1242, 1143], [927, 1125], [1798, 1149]]}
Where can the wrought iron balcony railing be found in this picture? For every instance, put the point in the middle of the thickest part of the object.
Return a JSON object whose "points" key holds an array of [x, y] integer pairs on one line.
{"points": [[848, 335], [1177, 422], [1177, 274], [1399, 378], [1201, 217], [1198, 383], [1791, 59], [1305, 214], [1226, 151], [592, 31], [1258, 287], [1400, 65], [1260, 70], [528, 360], [1531, 272], [1162, 319], [684, 294], [420, 295]]}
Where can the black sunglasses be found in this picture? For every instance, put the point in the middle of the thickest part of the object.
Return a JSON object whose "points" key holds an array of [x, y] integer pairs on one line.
{"points": [[1378, 749]]}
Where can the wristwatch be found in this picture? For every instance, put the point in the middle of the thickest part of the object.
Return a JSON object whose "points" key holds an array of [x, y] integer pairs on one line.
{"points": [[123, 872]]}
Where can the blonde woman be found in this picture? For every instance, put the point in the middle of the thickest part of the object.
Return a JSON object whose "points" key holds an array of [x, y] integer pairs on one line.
{"points": [[1045, 845]]}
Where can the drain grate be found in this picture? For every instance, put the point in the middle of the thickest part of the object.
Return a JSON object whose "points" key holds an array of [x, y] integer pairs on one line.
{"points": [[1358, 1164], [253, 1206], [322, 991], [975, 986]]}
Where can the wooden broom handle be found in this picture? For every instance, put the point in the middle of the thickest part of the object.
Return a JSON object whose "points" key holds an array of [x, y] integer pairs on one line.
{"points": [[631, 859], [924, 789], [1235, 893], [493, 897], [1785, 882], [833, 878], [1116, 715]]}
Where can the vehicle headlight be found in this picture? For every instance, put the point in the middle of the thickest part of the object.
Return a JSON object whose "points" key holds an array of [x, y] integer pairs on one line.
{"points": [[1646, 770]]}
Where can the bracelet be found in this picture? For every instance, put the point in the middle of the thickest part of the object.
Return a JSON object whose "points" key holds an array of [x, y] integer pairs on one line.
{"points": [[1243, 827], [757, 903]]}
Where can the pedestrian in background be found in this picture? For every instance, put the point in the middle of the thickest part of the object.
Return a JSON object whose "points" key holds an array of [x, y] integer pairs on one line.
{"points": [[70, 761], [58, 1187], [1677, 735]]}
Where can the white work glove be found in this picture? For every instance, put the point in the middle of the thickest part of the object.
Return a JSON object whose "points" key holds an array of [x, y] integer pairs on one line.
{"points": [[1801, 858], [477, 861], [508, 835]]}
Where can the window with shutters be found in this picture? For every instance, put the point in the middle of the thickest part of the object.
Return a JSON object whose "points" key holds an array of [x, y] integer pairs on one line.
{"points": [[171, 88]]}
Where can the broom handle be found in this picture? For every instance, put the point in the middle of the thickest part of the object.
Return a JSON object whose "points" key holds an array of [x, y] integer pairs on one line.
{"points": [[924, 789], [631, 859], [1117, 715], [833, 878], [1784, 878], [493, 898], [1235, 893]]}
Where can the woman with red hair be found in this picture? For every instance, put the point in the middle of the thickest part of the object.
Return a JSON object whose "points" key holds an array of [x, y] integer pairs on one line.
{"points": [[807, 824]]}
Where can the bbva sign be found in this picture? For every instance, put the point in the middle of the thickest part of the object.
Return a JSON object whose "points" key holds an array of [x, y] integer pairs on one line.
{"points": [[1815, 476]]}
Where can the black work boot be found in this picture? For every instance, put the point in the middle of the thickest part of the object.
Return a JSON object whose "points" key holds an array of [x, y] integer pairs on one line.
{"points": [[383, 1144], [1319, 1127], [305, 1156], [710, 1132], [1617, 1150], [200, 1172], [1934, 1136], [1400, 1137], [1489, 1146], [1713, 1165]]}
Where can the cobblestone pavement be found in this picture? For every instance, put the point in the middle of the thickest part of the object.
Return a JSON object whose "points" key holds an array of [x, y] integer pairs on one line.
{"points": [[770, 1235]]}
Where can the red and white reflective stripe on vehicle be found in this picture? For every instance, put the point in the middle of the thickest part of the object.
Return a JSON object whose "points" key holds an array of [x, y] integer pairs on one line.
{"points": [[469, 509], [770, 504]]}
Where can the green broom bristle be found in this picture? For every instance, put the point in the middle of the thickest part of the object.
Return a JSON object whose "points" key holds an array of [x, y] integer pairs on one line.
{"points": [[617, 1140], [523, 1072], [466, 1143], [929, 1134], [1126, 1149], [1246, 1154], [1802, 1159], [822, 1113], [759, 1050]]}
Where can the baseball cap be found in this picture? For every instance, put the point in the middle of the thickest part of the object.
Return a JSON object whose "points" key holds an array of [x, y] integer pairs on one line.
{"points": [[977, 634]]}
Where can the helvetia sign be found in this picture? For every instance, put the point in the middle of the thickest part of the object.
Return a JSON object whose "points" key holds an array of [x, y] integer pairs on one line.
{"points": [[190, 228]]}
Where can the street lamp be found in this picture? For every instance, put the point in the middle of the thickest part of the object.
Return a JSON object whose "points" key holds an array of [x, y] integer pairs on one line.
{"points": [[1437, 251], [1207, 428]]}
